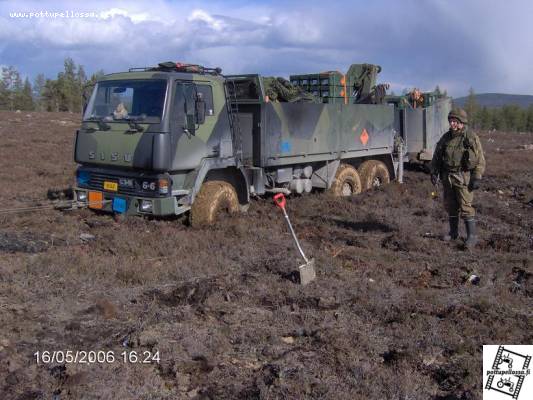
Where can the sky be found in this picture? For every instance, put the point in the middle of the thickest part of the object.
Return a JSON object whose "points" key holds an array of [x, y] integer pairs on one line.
{"points": [[458, 45]]}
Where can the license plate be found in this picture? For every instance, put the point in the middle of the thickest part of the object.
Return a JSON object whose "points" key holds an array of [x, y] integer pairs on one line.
{"points": [[119, 205], [113, 186]]}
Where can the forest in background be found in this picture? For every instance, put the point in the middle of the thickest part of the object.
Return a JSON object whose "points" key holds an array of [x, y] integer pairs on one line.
{"points": [[65, 93], [72, 85], [509, 117]]}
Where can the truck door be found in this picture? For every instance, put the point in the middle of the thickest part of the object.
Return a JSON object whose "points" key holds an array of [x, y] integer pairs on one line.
{"points": [[191, 144]]}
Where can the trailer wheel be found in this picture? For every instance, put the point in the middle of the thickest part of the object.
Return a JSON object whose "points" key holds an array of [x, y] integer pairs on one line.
{"points": [[347, 181], [214, 199], [373, 174]]}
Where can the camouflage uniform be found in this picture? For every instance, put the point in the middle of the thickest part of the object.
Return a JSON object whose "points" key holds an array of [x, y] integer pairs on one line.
{"points": [[417, 98], [281, 90], [459, 162]]}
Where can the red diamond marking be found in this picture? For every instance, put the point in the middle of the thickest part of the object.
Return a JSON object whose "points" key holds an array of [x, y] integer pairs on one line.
{"points": [[364, 137]]}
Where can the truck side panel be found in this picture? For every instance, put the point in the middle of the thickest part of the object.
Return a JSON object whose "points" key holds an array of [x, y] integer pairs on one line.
{"points": [[437, 123], [302, 133], [424, 127]]}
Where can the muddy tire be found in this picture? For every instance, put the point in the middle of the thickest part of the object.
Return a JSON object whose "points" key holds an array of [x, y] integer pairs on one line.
{"points": [[215, 198], [373, 174], [347, 181]]}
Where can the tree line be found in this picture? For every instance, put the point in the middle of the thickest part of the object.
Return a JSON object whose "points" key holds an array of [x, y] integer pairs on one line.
{"points": [[507, 118], [65, 93]]}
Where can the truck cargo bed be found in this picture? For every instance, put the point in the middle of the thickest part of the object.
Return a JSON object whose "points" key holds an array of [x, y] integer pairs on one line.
{"points": [[293, 133]]}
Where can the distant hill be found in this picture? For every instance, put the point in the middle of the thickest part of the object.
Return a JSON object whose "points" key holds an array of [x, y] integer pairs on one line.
{"points": [[492, 100]]}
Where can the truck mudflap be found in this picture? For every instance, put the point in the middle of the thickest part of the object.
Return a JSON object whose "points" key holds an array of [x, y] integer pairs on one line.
{"points": [[118, 203]]}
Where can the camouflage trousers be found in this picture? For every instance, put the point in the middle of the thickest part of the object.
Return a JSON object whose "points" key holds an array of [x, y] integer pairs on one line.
{"points": [[457, 198]]}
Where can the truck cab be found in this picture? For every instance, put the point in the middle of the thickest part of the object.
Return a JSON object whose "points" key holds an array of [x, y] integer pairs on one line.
{"points": [[147, 137]]}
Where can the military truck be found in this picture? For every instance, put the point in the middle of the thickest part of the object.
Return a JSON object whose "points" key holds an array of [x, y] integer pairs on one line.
{"points": [[180, 138]]}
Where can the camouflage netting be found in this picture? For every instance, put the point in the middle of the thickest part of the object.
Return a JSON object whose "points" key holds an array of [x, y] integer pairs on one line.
{"points": [[281, 90]]}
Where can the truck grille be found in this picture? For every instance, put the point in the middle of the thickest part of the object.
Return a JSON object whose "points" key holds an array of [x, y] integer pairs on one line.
{"points": [[96, 182]]}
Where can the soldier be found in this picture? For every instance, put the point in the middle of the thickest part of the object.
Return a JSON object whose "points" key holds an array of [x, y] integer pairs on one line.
{"points": [[417, 98], [459, 162], [120, 112]]}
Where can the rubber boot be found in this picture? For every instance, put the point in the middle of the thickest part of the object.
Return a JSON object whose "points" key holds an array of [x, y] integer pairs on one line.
{"points": [[454, 229], [471, 238]]}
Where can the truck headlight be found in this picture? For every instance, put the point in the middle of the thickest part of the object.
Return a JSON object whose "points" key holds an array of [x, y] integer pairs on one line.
{"points": [[81, 196], [146, 206]]}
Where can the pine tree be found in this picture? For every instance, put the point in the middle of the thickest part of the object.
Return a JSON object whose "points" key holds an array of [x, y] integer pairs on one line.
{"points": [[529, 119], [471, 108], [17, 91], [11, 82], [66, 86], [51, 97], [498, 120], [4, 96], [38, 92], [27, 98], [521, 123], [511, 115], [81, 81], [485, 119]]}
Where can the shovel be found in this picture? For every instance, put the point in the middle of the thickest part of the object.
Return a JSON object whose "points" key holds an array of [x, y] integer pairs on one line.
{"points": [[306, 272]]}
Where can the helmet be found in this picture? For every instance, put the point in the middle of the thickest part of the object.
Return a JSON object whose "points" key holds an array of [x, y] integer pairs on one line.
{"points": [[459, 114]]}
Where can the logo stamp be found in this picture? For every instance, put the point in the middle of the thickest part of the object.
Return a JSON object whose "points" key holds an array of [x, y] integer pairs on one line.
{"points": [[506, 372]]}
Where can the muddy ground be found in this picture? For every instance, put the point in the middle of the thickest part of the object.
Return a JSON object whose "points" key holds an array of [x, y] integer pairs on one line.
{"points": [[392, 314]]}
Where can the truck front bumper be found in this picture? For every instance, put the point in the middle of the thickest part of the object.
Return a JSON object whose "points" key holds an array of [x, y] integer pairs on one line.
{"points": [[127, 204]]}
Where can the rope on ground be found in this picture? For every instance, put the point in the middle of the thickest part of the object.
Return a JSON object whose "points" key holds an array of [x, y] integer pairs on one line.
{"points": [[63, 205]]}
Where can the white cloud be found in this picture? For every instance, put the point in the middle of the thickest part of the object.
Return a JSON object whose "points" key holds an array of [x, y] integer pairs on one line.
{"points": [[134, 17], [202, 16], [476, 43]]}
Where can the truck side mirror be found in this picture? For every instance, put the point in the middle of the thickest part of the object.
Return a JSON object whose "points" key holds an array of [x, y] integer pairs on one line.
{"points": [[85, 102], [200, 110], [190, 124]]}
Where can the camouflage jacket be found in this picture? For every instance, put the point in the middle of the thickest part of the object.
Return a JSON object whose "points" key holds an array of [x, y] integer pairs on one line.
{"points": [[458, 152], [281, 90]]}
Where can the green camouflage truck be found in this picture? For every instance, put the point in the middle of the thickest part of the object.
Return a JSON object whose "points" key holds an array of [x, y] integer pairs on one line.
{"points": [[180, 138]]}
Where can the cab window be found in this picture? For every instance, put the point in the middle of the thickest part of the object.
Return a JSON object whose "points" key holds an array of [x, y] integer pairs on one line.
{"points": [[207, 94], [185, 100]]}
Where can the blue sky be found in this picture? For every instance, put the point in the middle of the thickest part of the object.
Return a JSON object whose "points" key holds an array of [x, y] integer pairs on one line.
{"points": [[453, 44]]}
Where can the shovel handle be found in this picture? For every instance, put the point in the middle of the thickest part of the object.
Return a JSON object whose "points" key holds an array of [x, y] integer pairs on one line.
{"points": [[280, 201]]}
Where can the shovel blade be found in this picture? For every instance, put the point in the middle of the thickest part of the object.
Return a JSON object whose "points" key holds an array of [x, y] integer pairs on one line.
{"points": [[306, 272]]}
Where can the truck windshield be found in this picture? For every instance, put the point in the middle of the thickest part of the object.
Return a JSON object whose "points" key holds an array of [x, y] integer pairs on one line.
{"points": [[127, 99]]}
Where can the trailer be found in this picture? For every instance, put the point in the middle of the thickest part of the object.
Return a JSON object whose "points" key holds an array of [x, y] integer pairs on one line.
{"points": [[180, 138]]}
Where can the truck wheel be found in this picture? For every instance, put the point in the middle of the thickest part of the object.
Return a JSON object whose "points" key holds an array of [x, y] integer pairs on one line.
{"points": [[347, 181], [373, 174], [214, 199]]}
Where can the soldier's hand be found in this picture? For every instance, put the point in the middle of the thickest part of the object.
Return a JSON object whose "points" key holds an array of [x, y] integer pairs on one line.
{"points": [[434, 179], [473, 184]]}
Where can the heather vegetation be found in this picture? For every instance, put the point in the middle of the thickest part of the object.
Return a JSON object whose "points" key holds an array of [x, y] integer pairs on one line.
{"points": [[395, 312]]}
